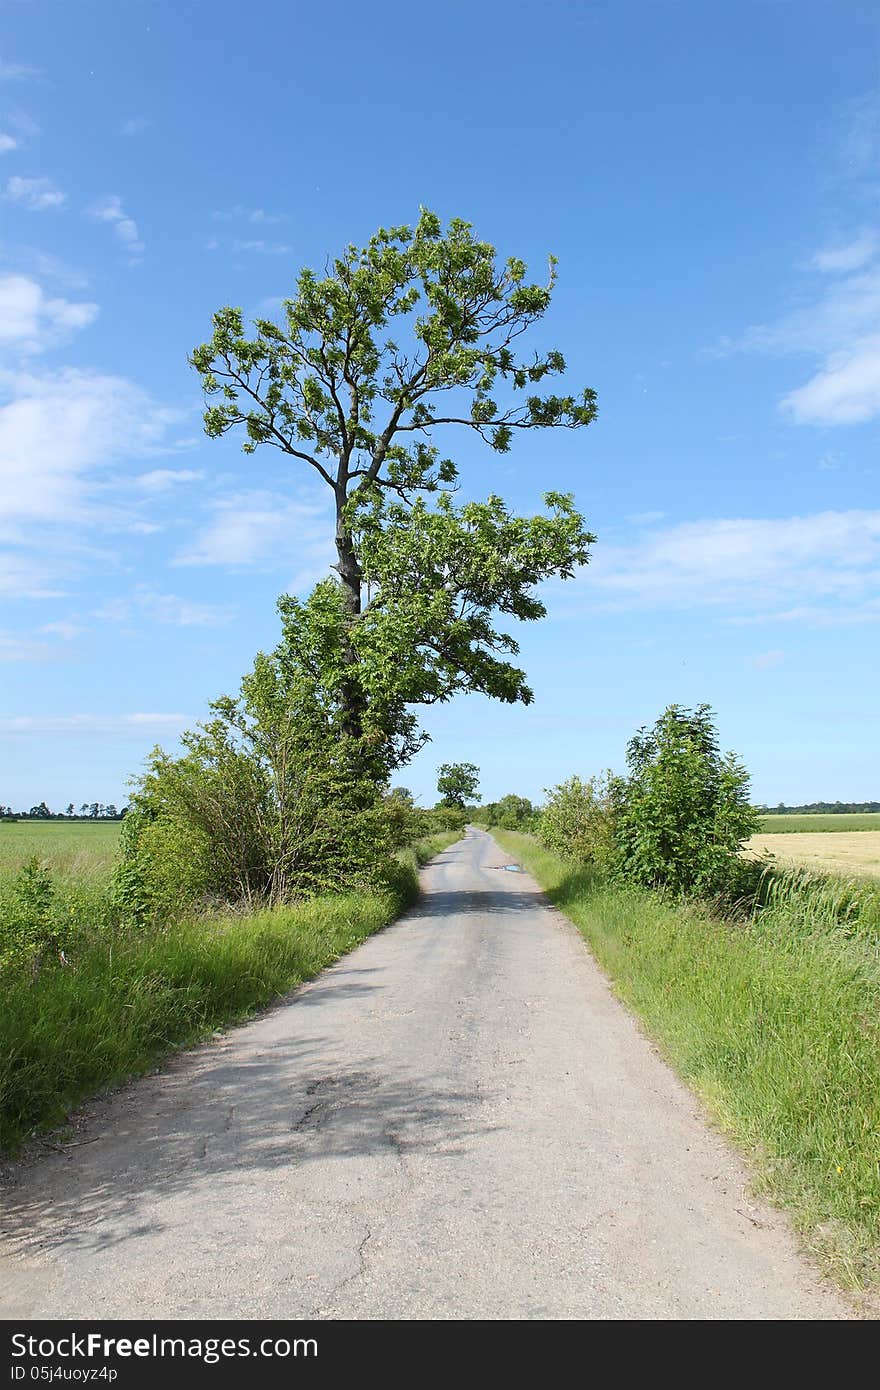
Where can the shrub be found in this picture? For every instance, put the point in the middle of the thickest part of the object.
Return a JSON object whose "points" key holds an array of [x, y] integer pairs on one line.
{"points": [[578, 820], [511, 813], [684, 810], [30, 931]]}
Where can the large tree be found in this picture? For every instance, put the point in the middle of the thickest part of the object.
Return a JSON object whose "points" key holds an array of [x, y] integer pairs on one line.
{"points": [[414, 334]]}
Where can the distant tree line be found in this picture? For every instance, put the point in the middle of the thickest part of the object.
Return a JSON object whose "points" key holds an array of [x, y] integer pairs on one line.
{"points": [[89, 810], [821, 808]]}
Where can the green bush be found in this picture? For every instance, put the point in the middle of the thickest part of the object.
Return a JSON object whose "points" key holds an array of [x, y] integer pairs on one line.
{"points": [[684, 811], [30, 929], [578, 820], [510, 813]]}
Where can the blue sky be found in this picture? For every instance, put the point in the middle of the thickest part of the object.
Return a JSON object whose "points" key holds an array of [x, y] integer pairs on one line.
{"points": [[709, 177]]}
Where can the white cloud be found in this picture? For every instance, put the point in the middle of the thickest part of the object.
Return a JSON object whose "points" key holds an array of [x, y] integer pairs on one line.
{"points": [[848, 256], [17, 72], [243, 214], [265, 530], [110, 210], [262, 248], [136, 125], [163, 479], [31, 321], [767, 661], [64, 629], [59, 430], [26, 576], [841, 327], [828, 562], [95, 723], [845, 392], [166, 609], [14, 648], [37, 195], [7, 142]]}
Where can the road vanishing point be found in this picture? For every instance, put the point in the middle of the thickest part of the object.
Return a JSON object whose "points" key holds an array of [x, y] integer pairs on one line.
{"points": [[457, 1121]]}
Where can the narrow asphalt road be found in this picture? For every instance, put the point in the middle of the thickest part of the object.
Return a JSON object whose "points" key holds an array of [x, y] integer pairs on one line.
{"points": [[456, 1121]]}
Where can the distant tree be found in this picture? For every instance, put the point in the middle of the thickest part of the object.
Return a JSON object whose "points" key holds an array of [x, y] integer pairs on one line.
{"points": [[402, 794], [457, 783], [41, 812], [84, 809], [95, 810], [71, 809], [110, 811]]}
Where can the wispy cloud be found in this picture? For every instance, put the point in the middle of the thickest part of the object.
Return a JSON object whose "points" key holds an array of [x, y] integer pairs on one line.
{"points": [[31, 320], [767, 661], [164, 479], [148, 723], [263, 530], [848, 255], [136, 125], [257, 216], [7, 142], [261, 248], [17, 72], [111, 210], [840, 326], [166, 609], [59, 432], [36, 195], [827, 563]]}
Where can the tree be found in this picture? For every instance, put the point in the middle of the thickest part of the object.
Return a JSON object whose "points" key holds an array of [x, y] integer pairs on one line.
{"points": [[269, 802], [457, 783], [684, 811], [71, 809], [411, 619]]}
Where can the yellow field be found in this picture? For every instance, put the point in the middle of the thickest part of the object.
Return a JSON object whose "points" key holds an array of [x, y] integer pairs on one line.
{"points": [[854, 853]]}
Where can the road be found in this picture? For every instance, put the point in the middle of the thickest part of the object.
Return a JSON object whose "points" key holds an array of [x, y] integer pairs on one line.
{"points": [[458, 1120]]}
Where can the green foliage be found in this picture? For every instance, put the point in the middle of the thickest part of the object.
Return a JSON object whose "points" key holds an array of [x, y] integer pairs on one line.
{"points": [[510, 813], [578, 820], [401, 339], [684, 811], [270, 801], [438, 576], [444, 818], [457, 783], [29, 929]]}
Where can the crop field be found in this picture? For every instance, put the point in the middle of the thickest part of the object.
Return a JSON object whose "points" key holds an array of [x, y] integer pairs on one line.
{"points": [[843, 823], [70, 851], [854, 853]]}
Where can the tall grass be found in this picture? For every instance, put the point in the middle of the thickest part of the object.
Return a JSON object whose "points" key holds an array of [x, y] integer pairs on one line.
{"points": [[131, 996], [774, 1021]]}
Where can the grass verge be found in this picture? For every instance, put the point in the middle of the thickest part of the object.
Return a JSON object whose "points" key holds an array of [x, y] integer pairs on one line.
{"points": [[774, 1022], [128, 999]]}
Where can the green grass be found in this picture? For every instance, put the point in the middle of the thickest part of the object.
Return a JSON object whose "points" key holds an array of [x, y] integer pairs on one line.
{"points": [[774, 1022], [129, 998], [76, 851], [782, 825]]}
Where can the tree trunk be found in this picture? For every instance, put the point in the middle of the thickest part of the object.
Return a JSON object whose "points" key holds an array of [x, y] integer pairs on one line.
{"points": [[350, 579]]}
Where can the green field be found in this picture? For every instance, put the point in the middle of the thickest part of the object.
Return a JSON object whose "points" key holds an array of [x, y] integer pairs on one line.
{"points": [[71, 850], [785, 825]]}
